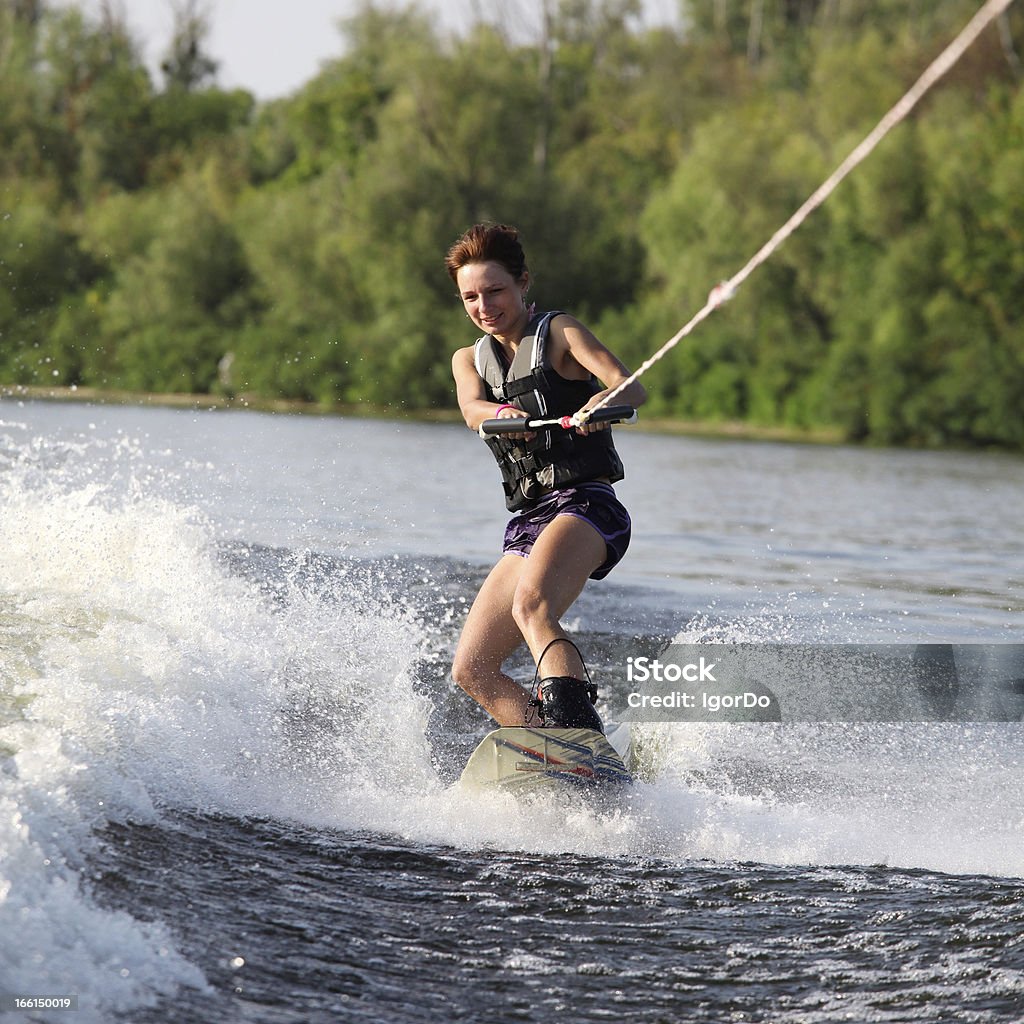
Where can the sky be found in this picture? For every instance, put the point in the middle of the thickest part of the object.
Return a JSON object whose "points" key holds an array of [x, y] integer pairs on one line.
{"points": [[273, 47]]}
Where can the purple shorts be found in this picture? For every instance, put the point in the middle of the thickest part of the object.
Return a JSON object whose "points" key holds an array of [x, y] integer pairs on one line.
{"points": [[594, 503]]}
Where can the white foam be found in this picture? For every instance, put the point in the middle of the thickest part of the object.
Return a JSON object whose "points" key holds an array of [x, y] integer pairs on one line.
{"points": [[944, 797], [55, 940], [146, 677]]}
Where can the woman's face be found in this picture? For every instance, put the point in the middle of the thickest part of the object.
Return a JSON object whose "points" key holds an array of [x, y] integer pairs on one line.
{"points": [[493, 298]]}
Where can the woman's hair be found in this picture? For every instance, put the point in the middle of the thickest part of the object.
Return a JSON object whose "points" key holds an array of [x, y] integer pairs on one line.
{"points": [[488, 243]]}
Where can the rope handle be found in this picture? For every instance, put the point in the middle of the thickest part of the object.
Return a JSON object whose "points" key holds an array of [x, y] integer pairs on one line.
{"points": [[517, 425]]}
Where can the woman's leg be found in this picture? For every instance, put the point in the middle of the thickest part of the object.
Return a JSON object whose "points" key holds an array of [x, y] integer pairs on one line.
{"points": [[489, 636], [567, 551], [525, 598]]}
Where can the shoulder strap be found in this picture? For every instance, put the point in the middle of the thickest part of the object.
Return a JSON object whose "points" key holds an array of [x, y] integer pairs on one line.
{"points": [[531, 362], [489, 365], [532, 352]]}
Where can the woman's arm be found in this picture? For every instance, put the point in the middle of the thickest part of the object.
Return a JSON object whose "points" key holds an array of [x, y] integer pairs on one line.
{"points": [[472, 393], [576, 353]]}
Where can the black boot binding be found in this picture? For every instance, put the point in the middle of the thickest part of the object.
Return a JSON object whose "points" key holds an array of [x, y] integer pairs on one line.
{"points": [[565, 702]]}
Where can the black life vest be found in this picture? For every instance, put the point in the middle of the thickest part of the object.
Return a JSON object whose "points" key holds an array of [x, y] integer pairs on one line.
{"points": [[554, 458]]}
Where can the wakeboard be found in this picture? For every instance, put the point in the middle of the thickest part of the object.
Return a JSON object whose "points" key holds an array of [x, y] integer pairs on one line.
{"points": [[523, 760]]}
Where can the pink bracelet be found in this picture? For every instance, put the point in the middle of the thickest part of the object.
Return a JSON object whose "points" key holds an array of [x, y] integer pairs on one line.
{"points": [[502, 408]]}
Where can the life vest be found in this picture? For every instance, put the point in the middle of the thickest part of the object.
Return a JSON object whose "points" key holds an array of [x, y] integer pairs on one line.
{"points": [[554, 458]]}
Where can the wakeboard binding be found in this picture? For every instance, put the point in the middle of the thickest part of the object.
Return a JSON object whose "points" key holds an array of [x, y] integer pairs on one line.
{"points": [[565, 702]]}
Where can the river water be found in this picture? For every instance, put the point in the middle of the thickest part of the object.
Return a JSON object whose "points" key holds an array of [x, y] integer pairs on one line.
{"points": [[228, 740]]}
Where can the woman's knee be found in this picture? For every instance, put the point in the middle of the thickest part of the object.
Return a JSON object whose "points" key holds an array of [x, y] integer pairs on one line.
{"points": [[462, 671], [469, 672], [530, 606]]}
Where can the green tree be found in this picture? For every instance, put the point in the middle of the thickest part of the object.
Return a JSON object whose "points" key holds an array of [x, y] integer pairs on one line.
{"points": [[173, 305], [97, 90], [40, 263], [187, 65], [186, 238]]}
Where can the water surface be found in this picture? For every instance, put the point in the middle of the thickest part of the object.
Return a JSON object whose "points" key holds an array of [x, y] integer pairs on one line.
{"points": [[228, 736]]}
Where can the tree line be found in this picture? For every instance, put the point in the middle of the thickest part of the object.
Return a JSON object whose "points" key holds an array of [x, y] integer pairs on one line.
{"points": [[171, 235]]}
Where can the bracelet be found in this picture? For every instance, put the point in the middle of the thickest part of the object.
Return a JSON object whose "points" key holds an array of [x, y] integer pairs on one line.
{"points": [[502, 408]]}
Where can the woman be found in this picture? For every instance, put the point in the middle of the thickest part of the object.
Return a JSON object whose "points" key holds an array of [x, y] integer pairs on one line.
{"points": [[569, 526]]}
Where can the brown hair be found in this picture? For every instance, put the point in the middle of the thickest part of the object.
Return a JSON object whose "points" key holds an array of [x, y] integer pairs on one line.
{"points": [[488, 243]]}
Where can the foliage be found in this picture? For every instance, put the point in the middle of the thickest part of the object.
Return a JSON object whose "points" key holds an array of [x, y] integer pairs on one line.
{"points": [[177, 236]]}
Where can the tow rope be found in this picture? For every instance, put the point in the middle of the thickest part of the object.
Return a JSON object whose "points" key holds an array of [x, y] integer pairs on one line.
{"points": [[725, 290]]}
